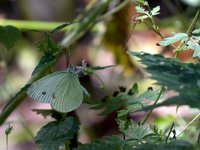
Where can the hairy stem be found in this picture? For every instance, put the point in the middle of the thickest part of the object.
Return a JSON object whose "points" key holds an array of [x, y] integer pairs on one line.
{"points": [[148, 115]]}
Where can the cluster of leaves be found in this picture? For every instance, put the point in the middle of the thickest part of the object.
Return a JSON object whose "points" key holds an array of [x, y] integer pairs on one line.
{"points": [[187, 42], [145, 14], [126, 101], [176, 75]]}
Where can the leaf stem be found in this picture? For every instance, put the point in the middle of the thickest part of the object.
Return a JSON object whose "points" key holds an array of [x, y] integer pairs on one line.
{"points": [[148, 115]]}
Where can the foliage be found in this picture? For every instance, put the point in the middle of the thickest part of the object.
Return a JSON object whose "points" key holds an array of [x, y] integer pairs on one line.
{"points": [[187, 42], [178, 76], [108, 143], [56, 133]]}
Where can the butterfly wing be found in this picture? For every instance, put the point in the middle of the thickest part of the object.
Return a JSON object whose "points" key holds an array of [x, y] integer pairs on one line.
{"points": [[68, 94], [43, 89]]}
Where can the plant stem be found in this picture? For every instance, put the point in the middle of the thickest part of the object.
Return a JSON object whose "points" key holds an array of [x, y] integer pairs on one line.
{"points": [[35, 25], [171, 128], [103, 85], [193, 120], [148, 115], [6, 141]]}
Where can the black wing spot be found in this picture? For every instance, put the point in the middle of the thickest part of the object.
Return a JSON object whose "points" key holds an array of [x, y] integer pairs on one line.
{"points": [[43, 93], [150, 88]]}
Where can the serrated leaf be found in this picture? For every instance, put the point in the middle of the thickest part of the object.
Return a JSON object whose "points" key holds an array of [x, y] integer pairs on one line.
{"points": [[150, 95], [141, 10], [133, 131], [181, 77], [173, 39], [155, 11], [45, 62], [196, 47], [9, 35], [56, 133], [142, 17], [196, 33], [107, 143]]}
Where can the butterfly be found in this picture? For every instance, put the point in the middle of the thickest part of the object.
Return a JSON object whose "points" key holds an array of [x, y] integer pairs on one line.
{"points": [[61, 89]]}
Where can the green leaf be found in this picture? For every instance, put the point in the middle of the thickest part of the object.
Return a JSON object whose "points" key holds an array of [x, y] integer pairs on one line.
{"points": [[133, 90], [45, 62], [56, 133], [111, 104], [196, 33], [60, 27], [142, 17], [141, 10], [150, 95], [129, 109], [175, 145], [155, 11], [173, 39], [107, 143], [142, 2], [181, 77], [196, 47], [9, 35], [133, 131]]}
